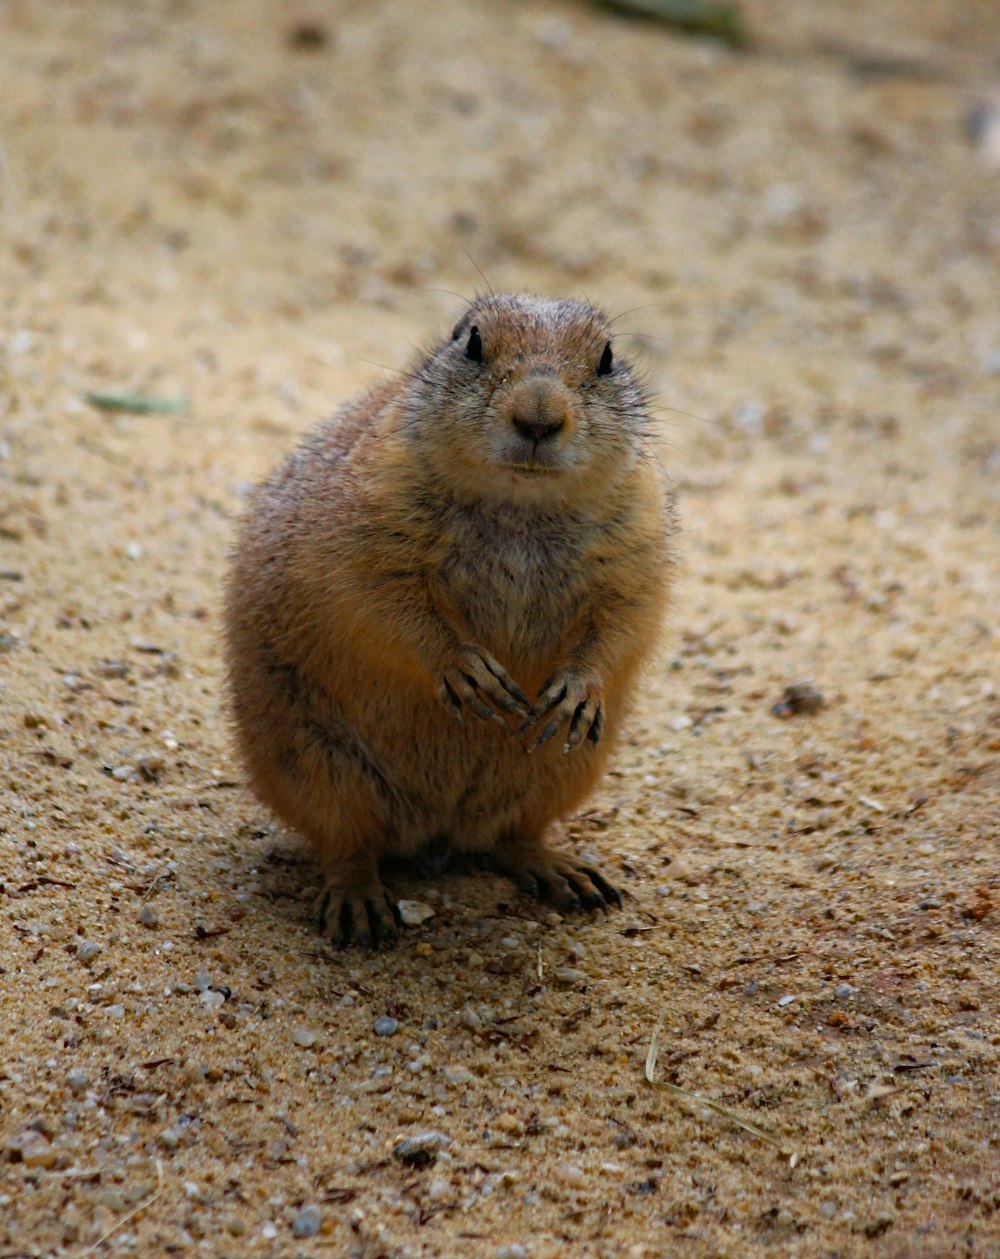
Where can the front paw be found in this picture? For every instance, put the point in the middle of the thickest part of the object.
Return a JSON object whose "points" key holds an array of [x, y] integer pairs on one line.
{"points": [[475, 680], [567, 698]]}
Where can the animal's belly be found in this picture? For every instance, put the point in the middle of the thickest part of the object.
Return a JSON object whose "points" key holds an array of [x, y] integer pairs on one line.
{"points": [[470, 782]]}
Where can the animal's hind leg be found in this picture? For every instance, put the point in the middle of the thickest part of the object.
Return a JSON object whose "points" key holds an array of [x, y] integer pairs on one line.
{"points": [[326, 783]]}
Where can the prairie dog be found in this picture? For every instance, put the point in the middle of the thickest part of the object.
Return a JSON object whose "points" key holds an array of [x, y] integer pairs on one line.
{"points": [[440, 604]]}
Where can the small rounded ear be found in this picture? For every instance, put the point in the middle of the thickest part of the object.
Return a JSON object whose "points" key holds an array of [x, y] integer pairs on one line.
{"points": [[463, 324], [474, 349], [607, 361]]}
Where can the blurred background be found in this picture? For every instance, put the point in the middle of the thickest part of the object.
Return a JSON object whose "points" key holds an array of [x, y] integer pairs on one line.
{"points": [[816, 177]]}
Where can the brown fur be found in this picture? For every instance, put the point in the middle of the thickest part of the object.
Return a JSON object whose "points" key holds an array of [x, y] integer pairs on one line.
{"points": [[451, 543]]}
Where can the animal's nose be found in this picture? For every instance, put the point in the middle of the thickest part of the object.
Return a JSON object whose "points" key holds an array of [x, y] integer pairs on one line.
{"points": [[539, 408], [537, 428]]}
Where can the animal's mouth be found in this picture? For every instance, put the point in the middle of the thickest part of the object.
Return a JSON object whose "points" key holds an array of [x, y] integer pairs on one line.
{"points": [[532, 469]]}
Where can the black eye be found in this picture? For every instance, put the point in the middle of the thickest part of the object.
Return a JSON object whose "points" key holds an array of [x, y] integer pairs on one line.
{"points": [[474, 349], [607, 359]]}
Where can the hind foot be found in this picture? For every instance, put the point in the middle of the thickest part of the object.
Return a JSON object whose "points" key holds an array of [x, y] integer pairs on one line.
{"points": [[555, 877], [358, 914]]}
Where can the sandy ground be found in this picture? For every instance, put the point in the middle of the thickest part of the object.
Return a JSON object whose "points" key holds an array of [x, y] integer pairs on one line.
{"points": [[196, 202]]}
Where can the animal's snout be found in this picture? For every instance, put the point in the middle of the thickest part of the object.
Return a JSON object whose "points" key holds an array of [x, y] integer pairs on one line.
{"points": [[539, 408]]}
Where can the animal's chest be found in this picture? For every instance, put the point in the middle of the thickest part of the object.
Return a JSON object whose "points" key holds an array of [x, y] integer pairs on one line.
{"points": [[518, 588]]}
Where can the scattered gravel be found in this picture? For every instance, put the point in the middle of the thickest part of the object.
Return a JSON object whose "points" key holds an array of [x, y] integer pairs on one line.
{"points": [[30, 1147], [799, 698], [420, 1150], [571, 1176], [307, 1222], [413, 913]]}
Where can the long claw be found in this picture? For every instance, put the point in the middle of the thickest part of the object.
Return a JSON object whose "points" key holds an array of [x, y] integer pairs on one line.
{"points": [[481, 709], [546, 734], [508, 684], [451, 701], [608, 890], [547, 702]]}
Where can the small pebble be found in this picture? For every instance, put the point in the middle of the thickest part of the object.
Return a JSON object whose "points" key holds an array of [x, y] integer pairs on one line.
{"points": [[31, 1148], [170, 1138], [308, 36], [150, 766], [420, 1150], [113, 669], [983, 127], [212, 1000], [844, 990], [799, 698], [828, 1209], [514, 1251], [305, 1037], [77, 1080], [148, 917], [783, 1001], [308, 1222], [386, 1026], [87, 950], [570, 1175], [570, 975], [413, 913]]}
